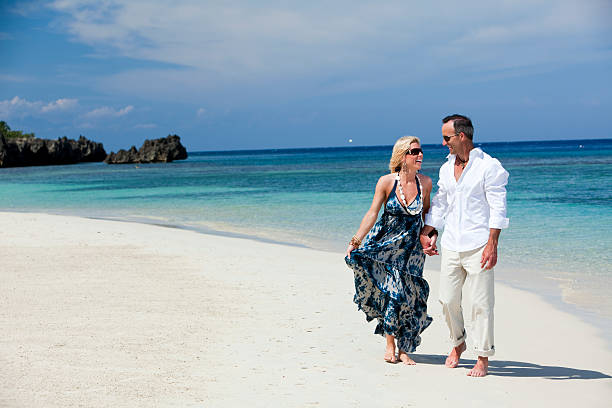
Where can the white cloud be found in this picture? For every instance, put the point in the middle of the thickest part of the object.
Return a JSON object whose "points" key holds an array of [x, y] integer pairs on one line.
{"points": [[234, 45], [215, 36], [60, 105], [20, 107], [201, 112], [125, 110], [17, 107], [106, 111]]}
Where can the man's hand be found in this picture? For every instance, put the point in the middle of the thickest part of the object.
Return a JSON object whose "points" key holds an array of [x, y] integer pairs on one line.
{"points": [[489, 256], [429, 244]]}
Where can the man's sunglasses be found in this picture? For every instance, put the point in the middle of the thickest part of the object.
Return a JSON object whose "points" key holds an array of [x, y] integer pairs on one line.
{"points": [[415, 151], [448, 138]]}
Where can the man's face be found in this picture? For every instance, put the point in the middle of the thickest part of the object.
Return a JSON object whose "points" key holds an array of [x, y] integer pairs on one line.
{"points": [[448, 132]]}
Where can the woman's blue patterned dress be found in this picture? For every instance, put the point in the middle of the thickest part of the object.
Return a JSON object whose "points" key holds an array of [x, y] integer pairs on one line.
{"points": [[389, 284]]}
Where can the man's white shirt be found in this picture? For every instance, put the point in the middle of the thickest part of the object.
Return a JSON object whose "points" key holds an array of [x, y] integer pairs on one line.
{"points": [[467, 208]]}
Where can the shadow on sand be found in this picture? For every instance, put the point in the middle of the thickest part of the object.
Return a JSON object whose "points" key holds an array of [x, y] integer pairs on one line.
{"points": [[504, 368]]}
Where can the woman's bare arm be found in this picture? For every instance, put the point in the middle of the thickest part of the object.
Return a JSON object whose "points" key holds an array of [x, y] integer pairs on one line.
{"points": [[380, 196]]}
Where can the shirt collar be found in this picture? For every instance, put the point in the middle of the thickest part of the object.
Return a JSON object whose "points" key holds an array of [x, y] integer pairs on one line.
{"points": [[475, 152]]}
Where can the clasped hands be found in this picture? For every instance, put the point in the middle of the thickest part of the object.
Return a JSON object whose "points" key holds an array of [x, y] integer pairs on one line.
{"points": [[428, 241]]}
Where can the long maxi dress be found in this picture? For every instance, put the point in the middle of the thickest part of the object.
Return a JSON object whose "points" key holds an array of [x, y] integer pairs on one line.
{"points": [[388, 268]]}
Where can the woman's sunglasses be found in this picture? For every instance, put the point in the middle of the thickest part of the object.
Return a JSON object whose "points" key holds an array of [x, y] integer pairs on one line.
{"points": [[415, 151]]}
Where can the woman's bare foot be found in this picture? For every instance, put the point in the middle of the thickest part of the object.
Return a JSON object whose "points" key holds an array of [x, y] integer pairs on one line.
{"points": [[390, 356], [390, 352], [452, 361], [405, 358], [481, 368]]}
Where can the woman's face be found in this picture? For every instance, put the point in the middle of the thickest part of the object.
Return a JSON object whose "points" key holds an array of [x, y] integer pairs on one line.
{"points": [[414, 161]]}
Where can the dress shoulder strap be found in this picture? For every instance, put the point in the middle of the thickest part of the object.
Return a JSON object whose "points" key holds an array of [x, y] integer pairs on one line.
{"points": [[392, 193]]}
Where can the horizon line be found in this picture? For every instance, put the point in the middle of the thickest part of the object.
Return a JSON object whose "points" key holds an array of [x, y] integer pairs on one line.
{"points": [[276, 149]]}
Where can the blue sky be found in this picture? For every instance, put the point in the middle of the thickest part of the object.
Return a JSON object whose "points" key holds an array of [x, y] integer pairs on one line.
{"points": [[277, 74]]}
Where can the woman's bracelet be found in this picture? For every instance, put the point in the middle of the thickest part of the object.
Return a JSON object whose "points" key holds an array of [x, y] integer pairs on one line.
{"points": [[356, 242]]}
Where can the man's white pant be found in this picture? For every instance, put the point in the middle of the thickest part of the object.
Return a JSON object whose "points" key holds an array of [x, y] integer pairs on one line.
{"points": [[460, 269]]}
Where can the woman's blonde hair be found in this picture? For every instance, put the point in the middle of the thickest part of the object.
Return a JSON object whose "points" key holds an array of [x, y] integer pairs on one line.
{"points": [[399, 152]]}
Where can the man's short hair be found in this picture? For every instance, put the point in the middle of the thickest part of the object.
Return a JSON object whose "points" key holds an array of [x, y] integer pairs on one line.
{"points": [[461, 123]]}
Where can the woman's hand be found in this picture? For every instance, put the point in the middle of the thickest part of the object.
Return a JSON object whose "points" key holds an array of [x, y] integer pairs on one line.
{"points": [[350, 249]]}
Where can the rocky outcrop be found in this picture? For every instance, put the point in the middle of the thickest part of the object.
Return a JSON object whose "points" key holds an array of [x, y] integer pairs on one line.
{"points": [[30, 151], [162, 150]]}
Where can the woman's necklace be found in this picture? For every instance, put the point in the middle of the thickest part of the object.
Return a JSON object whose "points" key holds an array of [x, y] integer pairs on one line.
{"points": [[413, 211], [402, 196]]}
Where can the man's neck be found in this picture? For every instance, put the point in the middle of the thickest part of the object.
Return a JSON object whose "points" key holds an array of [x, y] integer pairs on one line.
{"points": [[464, 156]]}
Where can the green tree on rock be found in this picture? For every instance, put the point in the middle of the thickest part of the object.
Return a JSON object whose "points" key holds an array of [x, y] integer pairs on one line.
{"points": [[5, 130]]}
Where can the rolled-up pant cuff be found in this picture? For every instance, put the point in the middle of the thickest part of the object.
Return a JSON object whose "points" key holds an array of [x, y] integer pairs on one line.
{"points": [[484, 353], [457, 342]]}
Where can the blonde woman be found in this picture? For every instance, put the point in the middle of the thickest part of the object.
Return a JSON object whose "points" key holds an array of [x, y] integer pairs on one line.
{"points": [[388, 267]]}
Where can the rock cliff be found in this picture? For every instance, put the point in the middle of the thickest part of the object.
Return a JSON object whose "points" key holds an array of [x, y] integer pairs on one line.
{"points": [[162, 150], [30, 151]]}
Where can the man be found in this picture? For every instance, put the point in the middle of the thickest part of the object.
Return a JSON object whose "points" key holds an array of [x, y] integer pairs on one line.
{"points": [[471, 206]]}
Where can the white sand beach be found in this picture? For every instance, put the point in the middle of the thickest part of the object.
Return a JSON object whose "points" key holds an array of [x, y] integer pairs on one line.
{"points": [[98, 313]]}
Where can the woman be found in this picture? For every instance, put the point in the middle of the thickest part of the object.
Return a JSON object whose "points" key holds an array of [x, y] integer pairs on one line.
{"points": [[388, 268]]}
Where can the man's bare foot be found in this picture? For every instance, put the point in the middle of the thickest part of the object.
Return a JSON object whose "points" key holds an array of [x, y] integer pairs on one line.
{"points": [[390, 355], [481, 368], [405, 358], [452, 361]]}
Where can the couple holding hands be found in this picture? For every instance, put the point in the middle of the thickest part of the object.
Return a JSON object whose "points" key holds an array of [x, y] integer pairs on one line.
{"points": [[470, 205]]}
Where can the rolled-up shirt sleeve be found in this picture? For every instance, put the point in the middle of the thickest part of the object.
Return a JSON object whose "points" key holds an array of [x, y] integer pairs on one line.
{"points": [[496, 179], [439, 206]]}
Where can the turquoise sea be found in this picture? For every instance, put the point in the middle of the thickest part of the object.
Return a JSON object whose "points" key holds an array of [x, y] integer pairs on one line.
{"points": [[559, 203]]}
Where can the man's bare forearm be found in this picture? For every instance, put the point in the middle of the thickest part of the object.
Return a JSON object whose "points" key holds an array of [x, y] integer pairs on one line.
{"points": [[494, 235]]}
